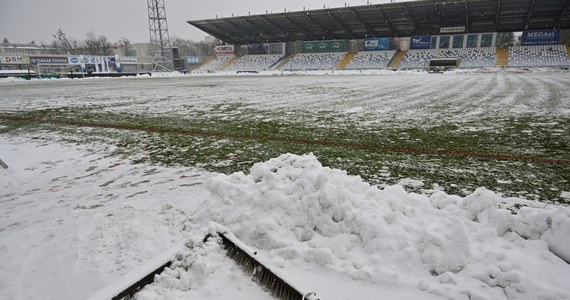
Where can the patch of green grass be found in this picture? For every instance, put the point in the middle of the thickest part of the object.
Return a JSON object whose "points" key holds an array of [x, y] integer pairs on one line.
{"points": [[232, 137]]}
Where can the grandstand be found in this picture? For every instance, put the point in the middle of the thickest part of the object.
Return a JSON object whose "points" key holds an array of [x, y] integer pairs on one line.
{"points": [[254, 63], [371, 60], [314, 61], [519, 56], [469, 58], [404, 35], [539, 56], [215, 64]]}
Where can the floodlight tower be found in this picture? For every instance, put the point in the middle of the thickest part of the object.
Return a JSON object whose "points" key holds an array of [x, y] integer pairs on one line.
{"points": [[161, 49]]}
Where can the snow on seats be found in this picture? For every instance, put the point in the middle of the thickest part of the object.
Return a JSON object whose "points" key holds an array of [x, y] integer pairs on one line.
{"points": [[215, 64], [538, 56], [371, 60], [314, 61], [255, 62], [469, 57]]}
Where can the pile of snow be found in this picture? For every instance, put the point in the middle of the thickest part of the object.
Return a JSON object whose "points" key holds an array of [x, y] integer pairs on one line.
{"points": [[74, 219], [301, 215]]}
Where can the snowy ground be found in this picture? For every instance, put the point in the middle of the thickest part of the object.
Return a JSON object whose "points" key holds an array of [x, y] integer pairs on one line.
{"points": [[75, 219], [232, 122], [78, 211]]}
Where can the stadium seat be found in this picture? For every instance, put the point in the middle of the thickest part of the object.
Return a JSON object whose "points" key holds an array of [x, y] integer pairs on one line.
{"points": [[469, 57], [314, 61], [538, 56], [371, 60], [255, 62], [215, 64]]}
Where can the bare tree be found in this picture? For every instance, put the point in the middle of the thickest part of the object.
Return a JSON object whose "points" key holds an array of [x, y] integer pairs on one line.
{"points": [[64, 44], [97, 45], [206, 49], [185, 47], [106, 48], [90, 45], [191, 48], [5, 41], [125, 46], [54, 47]]}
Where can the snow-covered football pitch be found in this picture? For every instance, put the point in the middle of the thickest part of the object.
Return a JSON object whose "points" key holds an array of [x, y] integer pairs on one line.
{"points": [[398, 185]]}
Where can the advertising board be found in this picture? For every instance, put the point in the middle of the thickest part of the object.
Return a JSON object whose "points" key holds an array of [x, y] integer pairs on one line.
{"points": [[377, 44], [324, 46], [91, 60], [541, 37], [6, 60], [192, 60], [457, 29], [421, 42], [225, 50], [129, 60], [49, 60]]}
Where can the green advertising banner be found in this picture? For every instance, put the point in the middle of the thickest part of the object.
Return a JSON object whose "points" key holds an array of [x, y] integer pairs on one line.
{"points": [[324, 46]]}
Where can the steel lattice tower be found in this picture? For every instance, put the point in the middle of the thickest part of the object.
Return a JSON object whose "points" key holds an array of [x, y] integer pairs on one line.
{"points": [[161, 49]]}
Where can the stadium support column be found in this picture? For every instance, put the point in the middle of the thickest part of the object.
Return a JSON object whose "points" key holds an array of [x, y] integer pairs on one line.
{"points": [[160, 49]]}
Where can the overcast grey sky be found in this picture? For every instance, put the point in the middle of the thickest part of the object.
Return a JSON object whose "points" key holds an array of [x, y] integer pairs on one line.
{"points": [[22, 21]]}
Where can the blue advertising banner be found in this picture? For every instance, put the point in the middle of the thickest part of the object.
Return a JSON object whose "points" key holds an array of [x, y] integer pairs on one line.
{"points": [[541, 37], [377, 44], [420, 42], [193, 60], [77, 60]]}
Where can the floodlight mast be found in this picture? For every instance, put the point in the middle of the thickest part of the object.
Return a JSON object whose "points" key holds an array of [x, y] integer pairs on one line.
{"points": [[160, 49]]}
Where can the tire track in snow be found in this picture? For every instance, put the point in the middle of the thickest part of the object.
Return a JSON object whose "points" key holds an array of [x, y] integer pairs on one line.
{"points": [[508, 99], [402, 92], [435, 103], [380, 104], [480, 99], [470, 92], [524, 96], [554, 92]]}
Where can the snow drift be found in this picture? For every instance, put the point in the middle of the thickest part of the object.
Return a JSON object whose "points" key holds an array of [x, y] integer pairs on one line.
{"points": [[297, 212]]}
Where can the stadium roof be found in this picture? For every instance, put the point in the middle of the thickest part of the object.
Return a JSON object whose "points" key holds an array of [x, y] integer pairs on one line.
{"points": [[403, 19]]}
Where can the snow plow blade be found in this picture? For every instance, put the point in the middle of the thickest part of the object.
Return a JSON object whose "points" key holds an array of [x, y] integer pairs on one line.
{"points": [[265, 277], [3, 164], [133, 282]]}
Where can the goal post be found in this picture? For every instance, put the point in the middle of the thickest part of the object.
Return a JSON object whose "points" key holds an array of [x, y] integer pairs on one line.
{"points": [[443, 64]]}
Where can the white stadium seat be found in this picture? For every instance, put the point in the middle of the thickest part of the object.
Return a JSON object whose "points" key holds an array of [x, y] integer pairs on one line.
{"points": [[215, 64], [255, 62], [314, 61], [371, 60], [469, 57], [538, 56]]}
